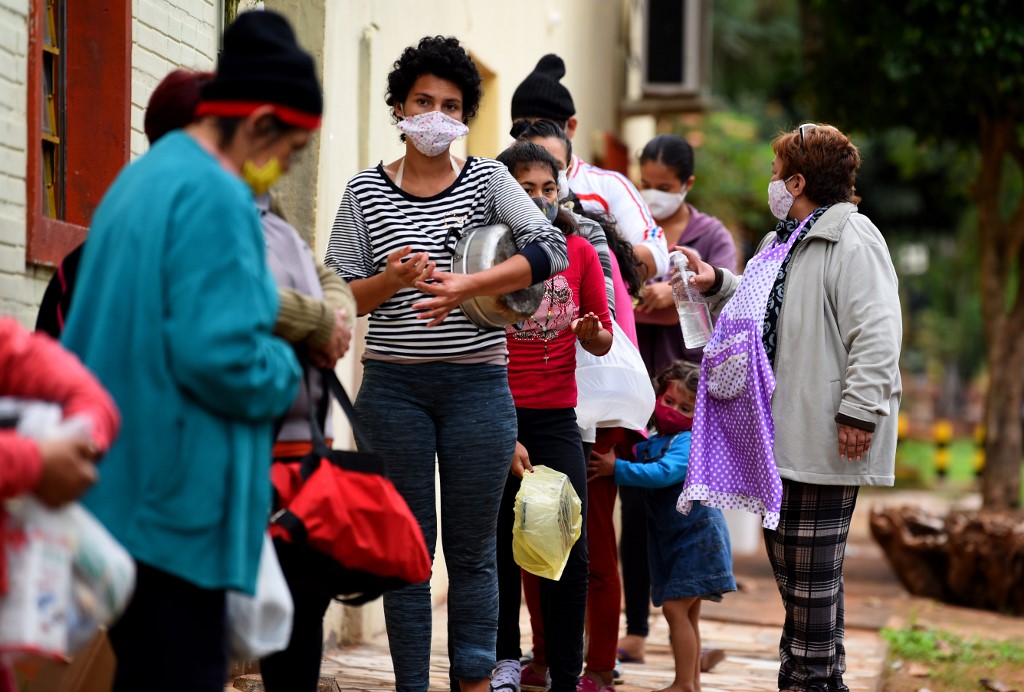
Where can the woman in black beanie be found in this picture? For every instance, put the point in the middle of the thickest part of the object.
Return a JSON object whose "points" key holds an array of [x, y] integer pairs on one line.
{"points": [[174, 313]]}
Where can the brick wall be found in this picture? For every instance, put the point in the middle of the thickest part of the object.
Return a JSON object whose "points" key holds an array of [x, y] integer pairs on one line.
{"points": [[166, 34], [19, 288]]}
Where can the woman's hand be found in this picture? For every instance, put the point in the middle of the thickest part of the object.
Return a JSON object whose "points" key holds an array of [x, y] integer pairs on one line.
{"points": [[448, 290], [601, 464], [853, 442], [703, 273], [402, 273], [341, 338], [69, 469], [521, 461], [656, 296]]}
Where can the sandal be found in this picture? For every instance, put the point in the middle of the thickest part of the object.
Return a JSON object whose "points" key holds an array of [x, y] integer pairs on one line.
{"points": [[709, 658], [626, 657]]}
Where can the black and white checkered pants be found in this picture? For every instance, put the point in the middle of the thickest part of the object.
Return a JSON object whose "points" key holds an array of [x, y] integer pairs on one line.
{"points": [[806, 552]]}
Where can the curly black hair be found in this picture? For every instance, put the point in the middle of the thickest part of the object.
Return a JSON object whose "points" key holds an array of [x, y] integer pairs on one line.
{"points": [[442, 57]]}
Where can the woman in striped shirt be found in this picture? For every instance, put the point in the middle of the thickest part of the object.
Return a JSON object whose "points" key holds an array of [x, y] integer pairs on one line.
{"points": [[435, 385]]}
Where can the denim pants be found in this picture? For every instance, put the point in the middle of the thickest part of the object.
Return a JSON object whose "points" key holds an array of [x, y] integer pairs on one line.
{"points": [[463, 416]]}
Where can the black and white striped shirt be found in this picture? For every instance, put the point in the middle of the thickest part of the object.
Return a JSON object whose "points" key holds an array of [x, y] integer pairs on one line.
{"points": [[377, 218]]}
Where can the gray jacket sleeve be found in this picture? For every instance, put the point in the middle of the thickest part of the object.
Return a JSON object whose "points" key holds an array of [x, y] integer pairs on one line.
{"points": [[863, 288]]}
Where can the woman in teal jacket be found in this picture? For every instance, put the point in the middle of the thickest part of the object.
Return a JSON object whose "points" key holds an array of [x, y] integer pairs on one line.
{"points": [[174, 312]]}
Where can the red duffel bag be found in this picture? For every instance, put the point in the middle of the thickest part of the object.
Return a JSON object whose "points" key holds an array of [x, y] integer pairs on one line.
{"points": [[342, 505]]}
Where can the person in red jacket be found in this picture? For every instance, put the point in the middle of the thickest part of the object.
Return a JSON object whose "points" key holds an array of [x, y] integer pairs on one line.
{"points": [[34, 366]]}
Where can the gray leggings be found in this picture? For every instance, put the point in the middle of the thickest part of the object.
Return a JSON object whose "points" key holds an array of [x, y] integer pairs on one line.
{"points": [[462, 416]]}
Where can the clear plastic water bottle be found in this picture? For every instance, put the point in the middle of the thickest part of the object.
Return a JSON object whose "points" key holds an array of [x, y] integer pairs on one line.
{"points": [[694, 314]]}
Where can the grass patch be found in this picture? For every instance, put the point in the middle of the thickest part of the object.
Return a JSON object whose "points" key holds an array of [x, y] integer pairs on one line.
{"points": [[916, 465], [931, 646], [918, 457], [948, 662]]}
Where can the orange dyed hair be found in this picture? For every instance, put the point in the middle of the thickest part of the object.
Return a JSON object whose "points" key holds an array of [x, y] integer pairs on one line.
{"points": [[826, 158]]}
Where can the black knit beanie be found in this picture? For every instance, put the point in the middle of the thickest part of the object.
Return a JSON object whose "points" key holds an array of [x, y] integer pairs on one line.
{"points": [[541, 94], [262, 64]]}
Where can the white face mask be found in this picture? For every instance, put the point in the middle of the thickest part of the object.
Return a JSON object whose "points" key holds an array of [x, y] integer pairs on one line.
{"points": [[563, 185], [432, 132], [663, 204], [780, 199]]}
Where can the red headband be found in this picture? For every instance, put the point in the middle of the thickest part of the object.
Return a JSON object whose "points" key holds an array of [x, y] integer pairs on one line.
{"points": [[240, 109]]}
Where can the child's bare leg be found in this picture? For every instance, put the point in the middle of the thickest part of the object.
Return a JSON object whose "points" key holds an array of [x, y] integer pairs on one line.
{"points": [[694, 616], [685, 644]]}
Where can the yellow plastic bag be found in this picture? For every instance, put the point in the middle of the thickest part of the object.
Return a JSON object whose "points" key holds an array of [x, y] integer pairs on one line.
{"points": [[549, 519]]}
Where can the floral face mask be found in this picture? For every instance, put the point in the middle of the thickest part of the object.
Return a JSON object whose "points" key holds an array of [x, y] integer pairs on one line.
{"points": [[780, 199], [432, 132]]}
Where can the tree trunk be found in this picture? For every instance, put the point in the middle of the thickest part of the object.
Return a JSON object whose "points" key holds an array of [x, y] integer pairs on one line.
{"points": [[974, 559], [1002, 245]]}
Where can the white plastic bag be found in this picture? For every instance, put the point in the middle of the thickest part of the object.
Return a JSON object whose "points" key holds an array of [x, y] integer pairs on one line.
{"points": [[262, 624], [103, 578], [549, 520], [614, 389], [34, 612], [68, 577]]}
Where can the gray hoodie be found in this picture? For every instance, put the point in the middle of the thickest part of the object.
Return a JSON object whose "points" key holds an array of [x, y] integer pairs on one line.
{"points": [[839, 336]]}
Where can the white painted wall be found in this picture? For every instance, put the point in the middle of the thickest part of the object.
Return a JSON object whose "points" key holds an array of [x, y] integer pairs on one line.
{"points": [[365, 38]]}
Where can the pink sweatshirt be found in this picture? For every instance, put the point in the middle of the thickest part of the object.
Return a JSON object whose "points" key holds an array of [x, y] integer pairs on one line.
{"points": [[34, 366]]}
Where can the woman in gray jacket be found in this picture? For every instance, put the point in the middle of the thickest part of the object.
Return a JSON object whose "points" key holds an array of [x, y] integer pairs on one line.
{"points": [[800, 389]]}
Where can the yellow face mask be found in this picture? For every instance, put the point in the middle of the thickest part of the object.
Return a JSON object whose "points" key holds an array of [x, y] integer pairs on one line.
{"points": [[261, 178]]}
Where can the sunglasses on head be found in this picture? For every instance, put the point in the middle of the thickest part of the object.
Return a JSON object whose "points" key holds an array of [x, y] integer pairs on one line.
{"points": [[803, 130]]}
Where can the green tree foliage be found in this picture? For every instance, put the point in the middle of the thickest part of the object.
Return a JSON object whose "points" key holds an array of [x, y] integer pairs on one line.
{"points": [[952, 71], [932, 65], [732, 163], [757, 58]]}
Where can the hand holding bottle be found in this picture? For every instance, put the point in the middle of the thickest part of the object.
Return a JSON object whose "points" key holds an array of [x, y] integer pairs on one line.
{"points": [[694, 314], [702, 274]]}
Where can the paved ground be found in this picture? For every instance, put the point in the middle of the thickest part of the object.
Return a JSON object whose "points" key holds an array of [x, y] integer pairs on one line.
{"points": [[747, 625]]}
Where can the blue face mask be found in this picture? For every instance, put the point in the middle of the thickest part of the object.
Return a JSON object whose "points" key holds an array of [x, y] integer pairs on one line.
{"points": [[547, 207]]}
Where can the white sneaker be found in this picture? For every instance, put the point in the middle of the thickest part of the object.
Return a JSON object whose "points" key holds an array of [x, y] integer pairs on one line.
{"points": [[505, 677]]}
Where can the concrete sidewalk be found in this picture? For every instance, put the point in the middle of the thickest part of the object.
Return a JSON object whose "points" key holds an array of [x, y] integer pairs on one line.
{"points": [[746, 625]]}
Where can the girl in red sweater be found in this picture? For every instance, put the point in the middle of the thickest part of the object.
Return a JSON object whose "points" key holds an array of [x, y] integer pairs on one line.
{"points": [[542, 377]]}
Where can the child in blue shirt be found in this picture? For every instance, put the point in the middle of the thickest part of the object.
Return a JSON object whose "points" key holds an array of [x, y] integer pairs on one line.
{"points": [[690, 556]]}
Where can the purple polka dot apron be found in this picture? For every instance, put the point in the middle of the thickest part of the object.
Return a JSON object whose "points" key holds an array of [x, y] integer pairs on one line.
{"points": [[732, 464]]}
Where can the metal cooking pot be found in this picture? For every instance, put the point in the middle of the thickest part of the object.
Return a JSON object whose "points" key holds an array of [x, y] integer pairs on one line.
{"points": [[481, 248]]}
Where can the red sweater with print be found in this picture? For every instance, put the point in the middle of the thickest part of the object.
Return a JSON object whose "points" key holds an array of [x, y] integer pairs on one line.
{"points": [[34, 366], [542, 350]]}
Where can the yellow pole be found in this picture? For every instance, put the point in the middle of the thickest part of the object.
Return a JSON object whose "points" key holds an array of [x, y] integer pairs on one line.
{"points": [[979, 449], [942, 433]]}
